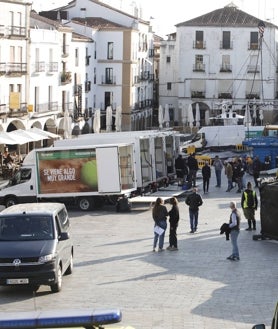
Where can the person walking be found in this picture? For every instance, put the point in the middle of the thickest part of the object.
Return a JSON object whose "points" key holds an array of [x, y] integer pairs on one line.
{"points": [[180, 167], [206, 173], [174, 217], [218, 166], [194, 201], [193, 167], [229, 174], [159, 214], [234, 225], [238, 173], [249, 203], [256, 168]]}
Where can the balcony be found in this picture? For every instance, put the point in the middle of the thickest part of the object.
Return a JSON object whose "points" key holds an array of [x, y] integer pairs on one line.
{"points": [[199, 44], [3, 110], [151, 77], [226, 68], [52, 67], [253, 69], [226, 45], [77, 90], [151, 52], [46, 107], [199, 67], [108, 80], [16, 31], [13, 69], [22, 111], [65, 78], [252, 96], [198, 94], [144, 75], [225, 95], [39, 67]]}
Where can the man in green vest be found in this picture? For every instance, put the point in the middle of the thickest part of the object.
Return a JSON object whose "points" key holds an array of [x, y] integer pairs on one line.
{"points": [[249, 203]]}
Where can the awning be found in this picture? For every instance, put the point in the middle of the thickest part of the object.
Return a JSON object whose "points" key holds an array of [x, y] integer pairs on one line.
{"points": [[23, 136], [6, 138], [43, 132]]}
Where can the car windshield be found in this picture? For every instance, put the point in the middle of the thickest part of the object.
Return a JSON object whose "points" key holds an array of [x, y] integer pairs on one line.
{"points": [[26, 228]]}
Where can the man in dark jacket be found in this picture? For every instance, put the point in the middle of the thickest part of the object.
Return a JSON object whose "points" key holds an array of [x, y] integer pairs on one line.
{"points": [[192, 163], [206, 173], [194, 201], [181, 169]]}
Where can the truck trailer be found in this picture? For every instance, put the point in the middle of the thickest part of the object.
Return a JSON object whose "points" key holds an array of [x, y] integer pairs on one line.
{"points": [[155, 153], [82, 175]]}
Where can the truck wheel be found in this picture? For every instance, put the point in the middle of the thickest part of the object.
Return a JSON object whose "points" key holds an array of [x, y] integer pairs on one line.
{"points": [[56, 287], [10, 201], [85, 203]]}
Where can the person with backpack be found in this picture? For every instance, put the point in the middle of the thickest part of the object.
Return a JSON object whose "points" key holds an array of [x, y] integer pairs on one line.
{"points": [[194, 201], [249, 203]]}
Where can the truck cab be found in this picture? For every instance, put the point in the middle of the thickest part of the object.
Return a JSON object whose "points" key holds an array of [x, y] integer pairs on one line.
{"points": [[20, 188]]}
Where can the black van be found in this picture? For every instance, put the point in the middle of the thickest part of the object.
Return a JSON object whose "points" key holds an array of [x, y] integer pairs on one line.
{"points": [[35, 245]]}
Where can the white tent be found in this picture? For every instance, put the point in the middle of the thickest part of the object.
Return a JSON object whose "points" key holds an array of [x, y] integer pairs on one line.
{"points": [[22, 136], [160, 116], [6, 138], [118, 119], [67, 125], [41, 132], [96, 123], [190, 116], [166, 116], [197, 115], [109, 118], [183, 114]]}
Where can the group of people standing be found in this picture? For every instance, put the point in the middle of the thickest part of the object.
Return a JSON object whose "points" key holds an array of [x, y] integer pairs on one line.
{"points": [[249, 201], [160, 214]]}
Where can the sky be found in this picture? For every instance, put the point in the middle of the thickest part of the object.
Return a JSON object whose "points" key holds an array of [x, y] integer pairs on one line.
{"points": [[166, 14]]}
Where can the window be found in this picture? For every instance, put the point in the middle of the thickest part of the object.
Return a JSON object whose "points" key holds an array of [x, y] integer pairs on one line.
{"points": [[226, 40], [254, 40], [168, 59], [169, 86], [76, 56], [109, 75], [226, 67], [199, 65], [199, 39], [110, 47]]}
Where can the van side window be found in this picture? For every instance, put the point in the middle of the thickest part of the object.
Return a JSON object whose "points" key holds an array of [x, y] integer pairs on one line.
{"points": [[63, 219]]}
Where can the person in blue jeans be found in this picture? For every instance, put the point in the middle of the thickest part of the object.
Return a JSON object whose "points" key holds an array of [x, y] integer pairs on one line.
{"points": [[234, 225], [194, 201], [159, 214]]}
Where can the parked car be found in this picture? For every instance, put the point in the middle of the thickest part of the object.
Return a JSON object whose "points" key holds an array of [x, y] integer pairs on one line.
{"points": [[35, 245]]}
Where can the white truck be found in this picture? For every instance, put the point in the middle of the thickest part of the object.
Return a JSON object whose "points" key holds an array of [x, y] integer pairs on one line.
{"points": [[82, 175], [219, 137], [155, 153]]}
